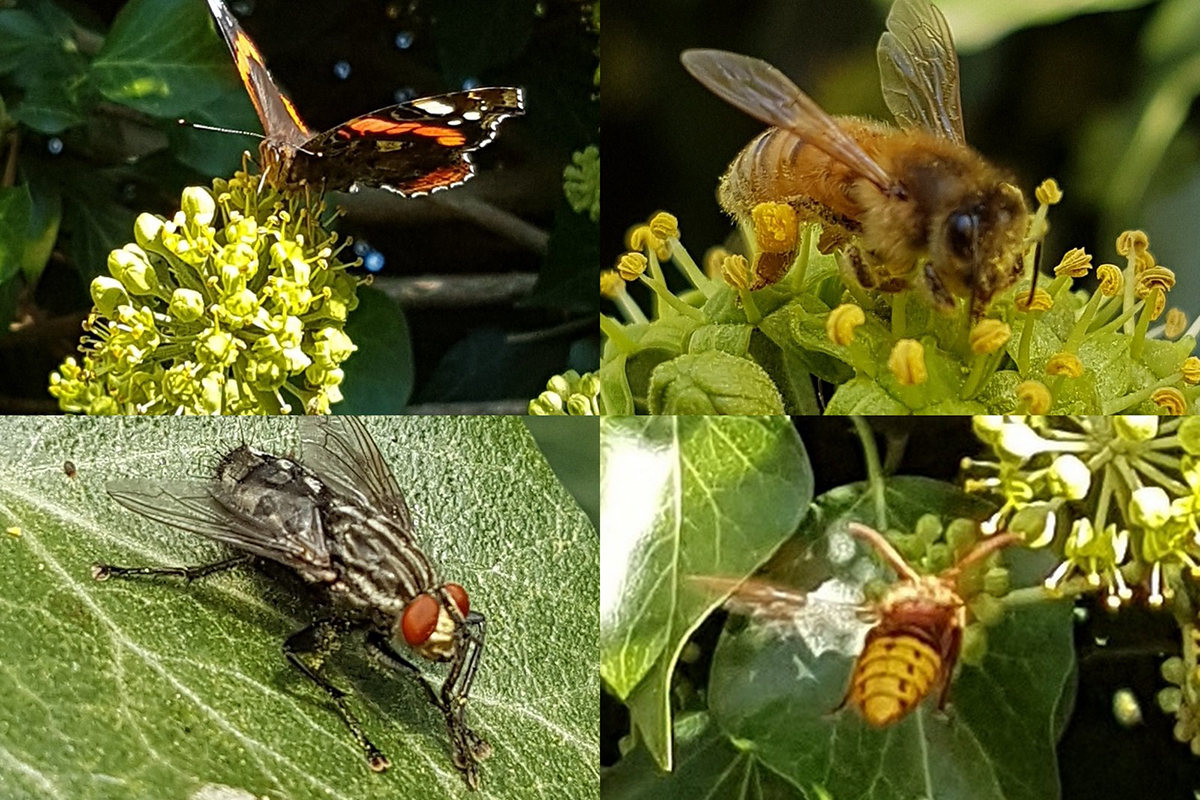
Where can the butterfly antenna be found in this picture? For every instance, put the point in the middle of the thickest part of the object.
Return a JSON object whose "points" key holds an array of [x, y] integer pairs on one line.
{"points": [[201, 127]]}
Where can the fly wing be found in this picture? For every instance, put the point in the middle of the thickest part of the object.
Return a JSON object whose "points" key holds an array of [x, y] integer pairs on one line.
{"points": [[765, 93], [196, 507], [341, 451], [918, 70], [281, 122]]}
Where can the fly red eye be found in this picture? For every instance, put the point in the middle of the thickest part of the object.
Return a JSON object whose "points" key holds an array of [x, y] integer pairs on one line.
{"points": [[460, 597], [419, 619]]}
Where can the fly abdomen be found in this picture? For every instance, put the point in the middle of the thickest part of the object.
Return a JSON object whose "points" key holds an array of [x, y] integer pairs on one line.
{"points": [[892, 676]]}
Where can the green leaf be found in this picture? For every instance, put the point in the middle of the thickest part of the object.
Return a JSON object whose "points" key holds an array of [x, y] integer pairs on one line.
{"points": [[679, 497], [20, 32], [158, 689], [863, 395], [571, 446], [379, 376], [94, 222], [567, 278], [779, 696], [162, 58], [45, 218], [211, 152], [14, 222], [712, 382], [707, 765], [49, 108]]}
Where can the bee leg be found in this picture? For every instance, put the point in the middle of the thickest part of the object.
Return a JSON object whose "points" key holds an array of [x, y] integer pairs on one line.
{"points": [[939, 295], [103, 572], [321, 639], [854, 266]]}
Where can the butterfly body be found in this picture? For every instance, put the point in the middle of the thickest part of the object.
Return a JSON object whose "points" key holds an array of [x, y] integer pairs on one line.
{"points": [[412, 149]]}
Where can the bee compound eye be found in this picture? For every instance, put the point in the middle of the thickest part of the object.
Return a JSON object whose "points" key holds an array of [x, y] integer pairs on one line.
{"points": [[460, 597], [419, 619], [963, 226]]}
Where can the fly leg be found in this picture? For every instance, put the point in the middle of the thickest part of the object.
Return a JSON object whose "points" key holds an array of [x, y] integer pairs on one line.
{"points": [[469, 748], [320, 640], [103, 572]]}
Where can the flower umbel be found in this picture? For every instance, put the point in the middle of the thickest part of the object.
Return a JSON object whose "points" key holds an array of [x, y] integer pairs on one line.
{"points": [[803, 309], [1128, 488], [235, 306]]}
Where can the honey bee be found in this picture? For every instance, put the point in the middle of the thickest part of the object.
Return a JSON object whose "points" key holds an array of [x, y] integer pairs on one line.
{"points": [[912, 646], [914, 204]]}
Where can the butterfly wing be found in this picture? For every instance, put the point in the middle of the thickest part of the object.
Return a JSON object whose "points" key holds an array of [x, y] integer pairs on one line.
{"points": [[281, 123], [412, 148]]}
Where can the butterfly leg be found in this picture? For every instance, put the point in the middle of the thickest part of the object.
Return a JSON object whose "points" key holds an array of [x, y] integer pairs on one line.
{"points": [[103, 572], [320, 640]]}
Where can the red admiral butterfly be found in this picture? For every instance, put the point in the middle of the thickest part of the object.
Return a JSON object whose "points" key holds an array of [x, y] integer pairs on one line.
{"points": [[412, 149]]}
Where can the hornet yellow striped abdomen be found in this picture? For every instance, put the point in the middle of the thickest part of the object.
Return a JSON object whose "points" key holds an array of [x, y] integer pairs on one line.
{"points": [[895, 672]]}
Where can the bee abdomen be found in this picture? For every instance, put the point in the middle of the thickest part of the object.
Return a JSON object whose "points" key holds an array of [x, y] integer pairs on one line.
{"points": [[892, 676]]}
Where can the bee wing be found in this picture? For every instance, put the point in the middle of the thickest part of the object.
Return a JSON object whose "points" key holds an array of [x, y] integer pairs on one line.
{"points": [[342, 452], [918, 70], [765, 93], [197, 508]]}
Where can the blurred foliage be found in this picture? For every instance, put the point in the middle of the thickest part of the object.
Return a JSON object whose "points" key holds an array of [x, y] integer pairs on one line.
{"points": [[89, 98]]}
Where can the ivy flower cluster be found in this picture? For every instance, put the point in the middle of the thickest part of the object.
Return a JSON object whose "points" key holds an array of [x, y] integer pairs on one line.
{"points": [[932, 548], [1118, 497], [237, 305], [750, 333], [581, 182], [569, 394]]}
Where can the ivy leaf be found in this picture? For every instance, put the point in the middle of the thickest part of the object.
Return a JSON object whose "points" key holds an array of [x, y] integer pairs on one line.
{"points": [[707, 765], [161, 58], [682, 496], [158, 689], [779, 696]]}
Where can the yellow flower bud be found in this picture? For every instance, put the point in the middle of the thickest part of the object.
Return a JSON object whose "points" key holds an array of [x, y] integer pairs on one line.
{"points": [[736, 271], [841, 323], [1143, 260], [1176, 323], [907, 362], [713, 259], [1034, 396], [1132, 241], [1042, 301], [642, 238], [664, 226], [1171, 399], [775, 227], [1154, 278], [611, 284], [1075, 263], [1064, 364], [631, 265], [1048, 193], [1112, 279], [1191, 370], [989, 336]]}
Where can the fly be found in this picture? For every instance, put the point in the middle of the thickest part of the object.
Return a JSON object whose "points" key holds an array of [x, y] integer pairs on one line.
{"points": [[337, 518]]}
